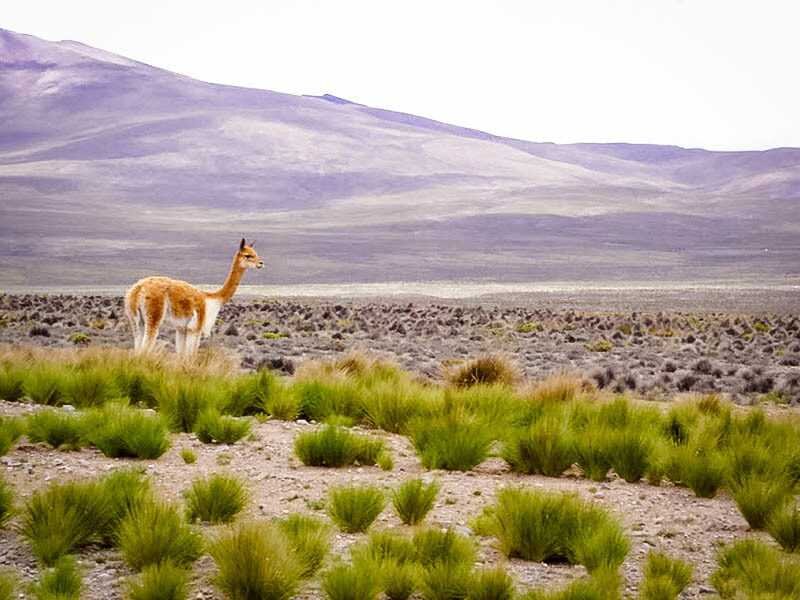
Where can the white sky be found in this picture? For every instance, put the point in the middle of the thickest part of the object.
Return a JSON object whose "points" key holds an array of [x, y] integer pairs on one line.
{"points": [[721, 74]]}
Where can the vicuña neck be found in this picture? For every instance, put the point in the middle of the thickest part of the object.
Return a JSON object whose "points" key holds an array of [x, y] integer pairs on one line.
{"points": [[228, 288]]}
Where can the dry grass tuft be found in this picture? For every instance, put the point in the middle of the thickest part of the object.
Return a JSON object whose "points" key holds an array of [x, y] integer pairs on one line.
{"points": [[487, 369]]}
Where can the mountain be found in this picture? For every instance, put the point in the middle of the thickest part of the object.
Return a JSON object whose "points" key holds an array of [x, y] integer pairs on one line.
{"points": [[111, 169]]}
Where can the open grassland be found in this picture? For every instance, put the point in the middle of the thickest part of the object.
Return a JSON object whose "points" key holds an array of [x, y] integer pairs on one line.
{"points": [[352, 478]]}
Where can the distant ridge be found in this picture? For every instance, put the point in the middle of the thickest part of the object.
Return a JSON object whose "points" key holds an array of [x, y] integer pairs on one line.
{"points": [[111, 168]]}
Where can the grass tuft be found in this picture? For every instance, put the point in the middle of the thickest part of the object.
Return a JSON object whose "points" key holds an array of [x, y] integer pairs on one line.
{"points": [[57, 428], [215, 499], [6, 501], [11, 429], [359, 581], [255, 562], [451, 443], [310, 539], [334, 446], [119, 431], [8, 585], [163, 581], [62, 582], [750, 568], [759, 497], [489, 369], [189, 456], [664, 577], [435, 546], [413, 499], [154, 532], [784, 526], [353, 508], [546, 447], [491, 584], [446, 581], [212, 427]]}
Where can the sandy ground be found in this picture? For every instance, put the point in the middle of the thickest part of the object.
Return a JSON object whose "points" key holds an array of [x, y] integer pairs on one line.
{"points": [[667, 518]]}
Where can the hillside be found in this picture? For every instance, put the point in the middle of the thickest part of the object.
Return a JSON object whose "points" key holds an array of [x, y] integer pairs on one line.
{"points": [[111, 169]]}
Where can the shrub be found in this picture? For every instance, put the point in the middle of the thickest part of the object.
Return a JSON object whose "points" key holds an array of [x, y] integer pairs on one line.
{"points": [[189, 456], [255, 562], [751, 569], [310, 539], [491, 584], [543, 526], [353, 509], [57, 428], [153, 533], [446, 581], [8, 585], [62, 582], [359, 581], [414, 499], [11, 384], [119, 431], [64, 517], [215, 499], [546, 447], [757, 498], [664, 577], [784, 526], [435, 546], [449, 442], [11, 429], [488, 369], [214, 427], [162, 581], [6, 501], [629, 453], [334, 446]]}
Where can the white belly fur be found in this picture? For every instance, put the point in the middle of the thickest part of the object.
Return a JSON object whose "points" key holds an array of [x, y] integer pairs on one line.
{"points": [[212, 310]]}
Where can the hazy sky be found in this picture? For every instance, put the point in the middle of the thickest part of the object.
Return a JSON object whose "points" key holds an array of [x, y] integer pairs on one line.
{"points": [[712, 73]]}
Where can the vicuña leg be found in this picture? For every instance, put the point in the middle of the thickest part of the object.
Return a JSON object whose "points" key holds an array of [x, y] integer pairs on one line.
{"points": [[192, 342], [180, 341]]}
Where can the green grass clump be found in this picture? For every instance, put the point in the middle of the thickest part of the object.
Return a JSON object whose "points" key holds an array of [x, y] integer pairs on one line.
{"points": [[603, 584], [45, 384], [255, 562], [489, 369], [450, 442], [399, 580], [359, 581], [544, 526], [700, 467], [119, 431], [88, 387], [154, 532], [664, 577], [758, 497], [62, 582], [318, 399], [391, 405], [491, 584], [334, 446], [414, 499], [124, 490], [8, 585], [11, 429], [446, 581], [63, 517], [751, 569], [189, 456], [310, 538], [163, 581], [435, 546], [57, 428], [215, 499], [784, 526], [353, 508], [591, 452], [182, 401], [629, 453], [6, 501], [546, 447], [11, 383], [386, 546], [212, 427]]}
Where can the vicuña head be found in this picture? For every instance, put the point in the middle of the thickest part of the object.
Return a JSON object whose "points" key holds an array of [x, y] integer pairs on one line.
{"points": [[152, 300]]}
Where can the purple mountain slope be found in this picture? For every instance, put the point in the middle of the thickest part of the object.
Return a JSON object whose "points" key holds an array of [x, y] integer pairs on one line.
{"points": [[111, 168]]}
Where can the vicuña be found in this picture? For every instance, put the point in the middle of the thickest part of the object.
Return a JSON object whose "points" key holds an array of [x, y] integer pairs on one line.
{"points": [[152, 300]]}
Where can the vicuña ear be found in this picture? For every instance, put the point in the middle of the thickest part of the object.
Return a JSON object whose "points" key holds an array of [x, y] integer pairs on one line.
{"points": [[253, 244], [241, 244]]}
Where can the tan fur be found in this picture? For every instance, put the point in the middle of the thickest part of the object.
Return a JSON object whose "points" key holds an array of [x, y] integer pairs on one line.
{"points": [[151, 301]]}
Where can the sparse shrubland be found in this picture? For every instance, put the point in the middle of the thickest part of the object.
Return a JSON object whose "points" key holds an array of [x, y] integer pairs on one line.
{"points": [[215, 499]]}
